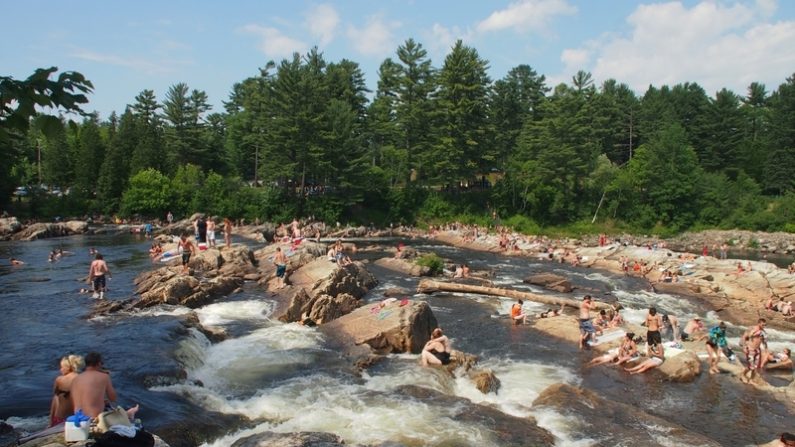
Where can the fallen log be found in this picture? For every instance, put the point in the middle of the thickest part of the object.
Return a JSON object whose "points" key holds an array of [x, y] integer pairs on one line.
{"points": [[431, 286]]}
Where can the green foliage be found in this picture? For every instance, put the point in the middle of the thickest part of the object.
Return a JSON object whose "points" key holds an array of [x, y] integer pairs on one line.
{"points": [[434, 263], [522, 224], [149, 195]]}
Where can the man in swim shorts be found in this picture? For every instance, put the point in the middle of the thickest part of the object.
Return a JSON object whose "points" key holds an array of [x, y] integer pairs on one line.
{"points": [[653, 325], [280, 260], [587, 331], [96, 275], [187, 250]]}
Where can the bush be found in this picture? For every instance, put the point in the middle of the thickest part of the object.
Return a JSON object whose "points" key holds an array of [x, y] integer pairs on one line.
{"points": [[522, 224], [434, 263], [149, 194]]}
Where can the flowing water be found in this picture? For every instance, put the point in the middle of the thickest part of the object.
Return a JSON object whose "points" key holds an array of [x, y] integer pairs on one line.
{"points": [[285, 377]]}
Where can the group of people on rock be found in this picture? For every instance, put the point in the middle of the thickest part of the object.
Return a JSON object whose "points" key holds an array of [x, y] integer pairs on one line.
{"points": [[84, 384], [785, 307]]}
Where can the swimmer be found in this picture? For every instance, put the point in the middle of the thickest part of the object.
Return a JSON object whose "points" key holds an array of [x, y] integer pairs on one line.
{"points": [[517, 315], [15, 261]]}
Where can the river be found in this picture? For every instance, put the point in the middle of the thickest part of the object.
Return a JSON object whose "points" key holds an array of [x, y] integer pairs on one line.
{"points": [[285, 377]]}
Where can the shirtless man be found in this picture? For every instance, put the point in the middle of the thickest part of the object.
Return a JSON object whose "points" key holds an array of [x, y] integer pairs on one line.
{"points": [[187, 250], [587, 331], [694, 330], [211, 232], [517, 315], [753, 357], [653, 324], [280, 260], [96, 276], [671, 327], [93, 387]]}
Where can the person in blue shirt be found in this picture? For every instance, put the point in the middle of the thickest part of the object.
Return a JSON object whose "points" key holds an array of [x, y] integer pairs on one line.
{"points": [[716, 341]]}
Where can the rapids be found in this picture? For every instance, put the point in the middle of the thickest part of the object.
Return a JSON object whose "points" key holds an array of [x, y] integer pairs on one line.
{"points": [[285, 378]]}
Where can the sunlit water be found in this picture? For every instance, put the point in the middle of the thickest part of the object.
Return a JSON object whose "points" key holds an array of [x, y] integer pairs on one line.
{"points": [[285, 378]]}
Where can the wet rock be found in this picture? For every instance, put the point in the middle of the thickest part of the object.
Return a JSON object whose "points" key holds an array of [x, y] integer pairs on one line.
{"points": [[396, 292], [300, 304], [199, 427], [387, 329], [404, 266], [352, 279], [165, 286], [301, 439], [8, 436], [550, 281], [485, 381], [57, 440], [327, 308], [683, 367], [45, 230], [595, 417], [507, 430]]}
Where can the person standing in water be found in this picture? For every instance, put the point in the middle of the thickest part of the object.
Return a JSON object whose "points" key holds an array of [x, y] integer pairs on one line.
{"points": [[517, 315], [96, 276], [587, 331]]}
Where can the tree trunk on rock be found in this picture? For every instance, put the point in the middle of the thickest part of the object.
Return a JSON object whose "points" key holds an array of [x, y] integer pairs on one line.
{"points": [[430, 286]]}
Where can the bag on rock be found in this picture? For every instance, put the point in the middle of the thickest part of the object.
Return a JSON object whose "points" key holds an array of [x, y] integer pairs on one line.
{"points": [[111, 439], [116, 416]]}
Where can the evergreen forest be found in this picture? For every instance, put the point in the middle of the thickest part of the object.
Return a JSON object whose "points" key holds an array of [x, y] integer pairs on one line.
{"points": [[436, 141]]}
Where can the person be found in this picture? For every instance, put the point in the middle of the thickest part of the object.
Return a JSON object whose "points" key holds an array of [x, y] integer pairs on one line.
{"points": [[96, 276], [155, 250], [148, 229], [779, 360], [694, 330], [517, 315], [331, 255], [15, 261], [228, 232], [653, 324], [759, 330], [670, 327], [211, 232], [753, 357], [601, 321], [187, 250], [587, 331], [201, 229], [169, 218], [716, 341], [399, 252], [784, 440], [608, 357], [465, 270], [62, 403], [617, 319], [552, 312], [280, 260], [656, 355], [459, 271], [628, 349], [437, 350], [93, 386]]}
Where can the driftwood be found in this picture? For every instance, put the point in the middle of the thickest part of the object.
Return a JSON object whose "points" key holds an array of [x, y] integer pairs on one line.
{"points": [[431, 286]]}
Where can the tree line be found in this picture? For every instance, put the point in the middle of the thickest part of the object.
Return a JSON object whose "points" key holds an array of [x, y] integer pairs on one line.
{"points": [[305, 136]]}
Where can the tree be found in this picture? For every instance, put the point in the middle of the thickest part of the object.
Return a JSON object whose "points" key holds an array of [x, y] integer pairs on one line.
{"points": [[780, 166], [149, 194], [89, 159], [148, 151]]}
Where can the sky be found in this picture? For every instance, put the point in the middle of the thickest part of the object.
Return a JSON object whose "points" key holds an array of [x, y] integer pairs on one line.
{"points": [[125, 47]]}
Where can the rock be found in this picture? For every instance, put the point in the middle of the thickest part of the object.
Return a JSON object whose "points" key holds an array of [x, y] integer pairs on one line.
{"points": [[404, 266], [683, 367], [8, 436], [596, 418], [507, 430], [165, 286], [397, 292], [9, 226], [550, 281], [45, 230], [300, 304], [387, 329], [326, 308], [57, 440], [352, 279], [302, 439], [197, 427], [485, 381], [76, 226]]}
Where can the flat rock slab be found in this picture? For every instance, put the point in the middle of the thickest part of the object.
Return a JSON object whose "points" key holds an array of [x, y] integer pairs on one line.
{"points": [[596, 417]]}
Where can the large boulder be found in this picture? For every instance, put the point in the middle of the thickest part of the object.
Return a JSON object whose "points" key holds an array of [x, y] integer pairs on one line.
{"points": [[595, 417], [352, 279], [327, 308], [302, 439], [404, 266], [683, 367], [75, 227], [550, 281], [44, 230], [166, 286], [390, 328], [57, 440], [485, 381]]}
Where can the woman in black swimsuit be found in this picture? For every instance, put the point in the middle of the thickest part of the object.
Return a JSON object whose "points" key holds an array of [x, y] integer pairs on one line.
{"points": [[62, 405], [437, 350]]}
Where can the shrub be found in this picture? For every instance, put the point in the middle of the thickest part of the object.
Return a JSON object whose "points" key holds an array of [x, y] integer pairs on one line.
{"points": [[434, 263]]}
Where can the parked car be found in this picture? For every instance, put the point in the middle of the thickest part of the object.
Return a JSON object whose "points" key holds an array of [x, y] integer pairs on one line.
{"points": [[21, 191]]}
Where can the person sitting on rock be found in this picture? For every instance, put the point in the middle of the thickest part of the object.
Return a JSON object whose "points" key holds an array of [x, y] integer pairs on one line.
{"points": [[601, 321], [778, 360], [517, 314], [459, 271], [436, 350], [693, 330], [332, 254], [656, 357], [465, 270], [628, 349], [617, 319]]}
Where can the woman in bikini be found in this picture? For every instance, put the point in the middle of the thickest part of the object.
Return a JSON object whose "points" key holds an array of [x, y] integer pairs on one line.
{"points": [[62, 405], [656, 358], [627, 350], [437, 350]]}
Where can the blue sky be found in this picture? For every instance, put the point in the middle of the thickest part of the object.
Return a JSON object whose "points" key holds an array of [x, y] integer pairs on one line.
{"points": [[126, 47]]}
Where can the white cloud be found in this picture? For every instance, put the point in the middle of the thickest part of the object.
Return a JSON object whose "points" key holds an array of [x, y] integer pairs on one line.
{"points": [[151, 67], [375, 38], [273, 43], [322, 21], [526, 15], [575, 59], [441, 38], [711, 43]]}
